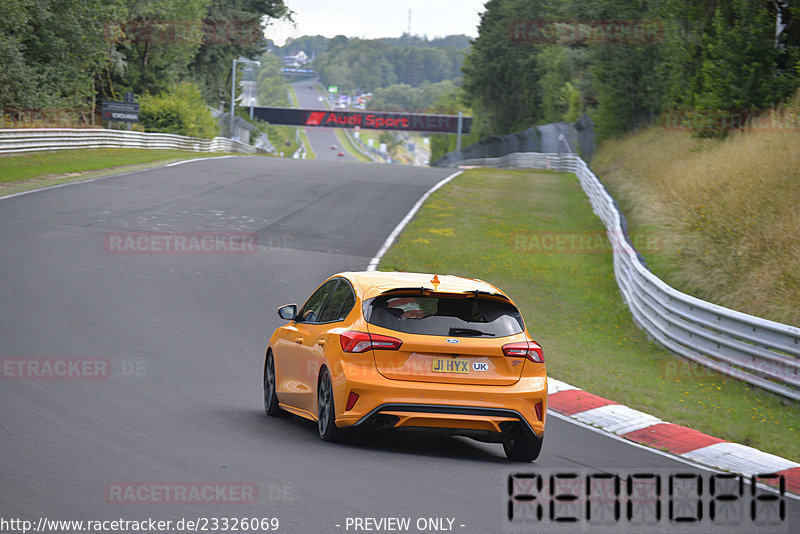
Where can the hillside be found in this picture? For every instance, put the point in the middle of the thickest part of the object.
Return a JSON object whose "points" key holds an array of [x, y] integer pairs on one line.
{"points": [[724, 216], [369, 64]]}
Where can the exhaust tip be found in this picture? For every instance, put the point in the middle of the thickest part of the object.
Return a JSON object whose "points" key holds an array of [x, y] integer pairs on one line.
{"points": [[382, 422], [379, 423], [513, 430]]}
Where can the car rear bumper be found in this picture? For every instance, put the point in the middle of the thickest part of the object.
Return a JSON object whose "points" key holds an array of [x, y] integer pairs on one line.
{"points": [[490, 411]]}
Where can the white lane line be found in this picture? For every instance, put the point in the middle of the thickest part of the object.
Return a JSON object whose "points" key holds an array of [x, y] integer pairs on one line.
{"points": [[617, 418], [109, 176], [199, 159], [373, 263]]}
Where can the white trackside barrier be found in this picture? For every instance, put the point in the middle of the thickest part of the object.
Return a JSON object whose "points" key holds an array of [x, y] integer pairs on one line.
{"points": [[37, 139], [759, 351]]}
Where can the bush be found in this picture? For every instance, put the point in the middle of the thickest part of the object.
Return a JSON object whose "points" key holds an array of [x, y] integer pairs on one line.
{"points": [[179, 110]]}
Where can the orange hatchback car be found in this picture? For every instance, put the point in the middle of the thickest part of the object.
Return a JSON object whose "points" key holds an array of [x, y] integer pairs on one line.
{"points": [[410, 351]]}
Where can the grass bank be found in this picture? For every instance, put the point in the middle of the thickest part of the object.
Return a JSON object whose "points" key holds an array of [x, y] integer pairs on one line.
{"points": [[23, 172], [348, 146], [535, 236], [728, 211]]}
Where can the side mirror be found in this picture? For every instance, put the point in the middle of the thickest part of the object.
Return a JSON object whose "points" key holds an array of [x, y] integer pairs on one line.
{"points": [[288, 312]]}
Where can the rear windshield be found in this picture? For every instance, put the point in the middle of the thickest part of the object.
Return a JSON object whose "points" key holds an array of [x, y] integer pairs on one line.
{"points": [[458, 316]]}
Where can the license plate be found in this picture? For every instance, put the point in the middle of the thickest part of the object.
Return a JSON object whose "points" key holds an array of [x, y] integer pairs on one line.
{"points": [[450, 365]]}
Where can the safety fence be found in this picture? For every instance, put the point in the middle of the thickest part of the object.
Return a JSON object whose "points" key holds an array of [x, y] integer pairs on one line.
{"points": [[559, 137], [36, 139]]}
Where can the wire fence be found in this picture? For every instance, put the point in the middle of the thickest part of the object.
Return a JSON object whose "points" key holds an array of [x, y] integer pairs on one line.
{"points": [[560, 137]]}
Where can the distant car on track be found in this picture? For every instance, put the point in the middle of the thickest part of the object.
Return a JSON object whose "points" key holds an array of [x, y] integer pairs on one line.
{"points": [[340, 154], [334, 147], [409, 351]]}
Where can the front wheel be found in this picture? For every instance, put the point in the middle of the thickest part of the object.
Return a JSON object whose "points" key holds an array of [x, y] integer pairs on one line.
{"points": [[525, 448], [326, 424]]}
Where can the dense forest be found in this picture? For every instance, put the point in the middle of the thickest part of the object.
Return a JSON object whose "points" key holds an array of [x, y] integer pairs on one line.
{"points": [[534, 61], [368, 64], [700, 56], [68, 55]]}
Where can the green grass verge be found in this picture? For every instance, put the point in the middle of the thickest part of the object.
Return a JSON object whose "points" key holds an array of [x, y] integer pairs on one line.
{"points": [[23, 172], [347, 145], [309, 151], [295, 103], [486, 223]]}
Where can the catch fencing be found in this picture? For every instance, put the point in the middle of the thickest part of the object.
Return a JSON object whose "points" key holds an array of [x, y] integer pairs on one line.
{"points": [[37, 139], [573, 138], [762, 352]]}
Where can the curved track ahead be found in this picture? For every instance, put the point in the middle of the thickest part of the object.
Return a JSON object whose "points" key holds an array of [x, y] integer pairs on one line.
{"points": [[321, 139], [185, 336]]}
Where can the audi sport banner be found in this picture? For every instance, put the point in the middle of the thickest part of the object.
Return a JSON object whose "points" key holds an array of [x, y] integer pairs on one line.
{"points": [[368, 120]]}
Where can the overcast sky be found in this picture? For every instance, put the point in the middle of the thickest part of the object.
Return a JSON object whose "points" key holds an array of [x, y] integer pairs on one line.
{"points": [[379, 18]]}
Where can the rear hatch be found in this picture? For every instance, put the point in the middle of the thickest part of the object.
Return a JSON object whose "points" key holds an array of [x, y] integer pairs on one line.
{"points": [[447, 338]]}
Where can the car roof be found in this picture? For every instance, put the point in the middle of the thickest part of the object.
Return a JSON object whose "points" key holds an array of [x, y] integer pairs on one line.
{"points": [[371, 283]]}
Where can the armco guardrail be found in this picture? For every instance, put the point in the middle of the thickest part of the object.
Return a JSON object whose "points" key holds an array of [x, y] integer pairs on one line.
{"points": [[34, 139], [761, 352]]}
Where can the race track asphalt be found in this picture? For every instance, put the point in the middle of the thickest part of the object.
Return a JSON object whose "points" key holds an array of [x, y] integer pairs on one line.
{"points": [[185, 337], [320, 138]]}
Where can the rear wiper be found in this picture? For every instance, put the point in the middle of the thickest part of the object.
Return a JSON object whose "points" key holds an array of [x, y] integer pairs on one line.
{"points": [[467, 332]]}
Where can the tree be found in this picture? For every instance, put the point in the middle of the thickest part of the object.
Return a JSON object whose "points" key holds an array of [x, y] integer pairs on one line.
{"points": [[272, 87], [450, 103], [178, 110], [562, 72], [500, 79], [739, 69], [370, 64], [157, 40], [51, 51], [239, 33]]}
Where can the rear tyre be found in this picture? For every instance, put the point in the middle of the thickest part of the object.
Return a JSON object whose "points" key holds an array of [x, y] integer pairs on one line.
{"points": [[326, 424], [525, 448], [270, 396]]}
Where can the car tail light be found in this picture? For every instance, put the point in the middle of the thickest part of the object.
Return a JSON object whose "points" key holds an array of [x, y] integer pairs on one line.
{"points": [[537, 407], [361, 342], [525, 349]]}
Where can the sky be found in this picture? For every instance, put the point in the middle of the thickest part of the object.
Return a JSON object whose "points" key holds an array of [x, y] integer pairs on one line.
{"points": [[378, 18]]}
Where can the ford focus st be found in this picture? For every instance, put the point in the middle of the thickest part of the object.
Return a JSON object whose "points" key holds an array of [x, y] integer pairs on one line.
{"points": [[409, 351]]}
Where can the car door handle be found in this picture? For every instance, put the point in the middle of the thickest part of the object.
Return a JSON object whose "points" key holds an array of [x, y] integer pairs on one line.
{"points": [[321, 342], [298, 340]]}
